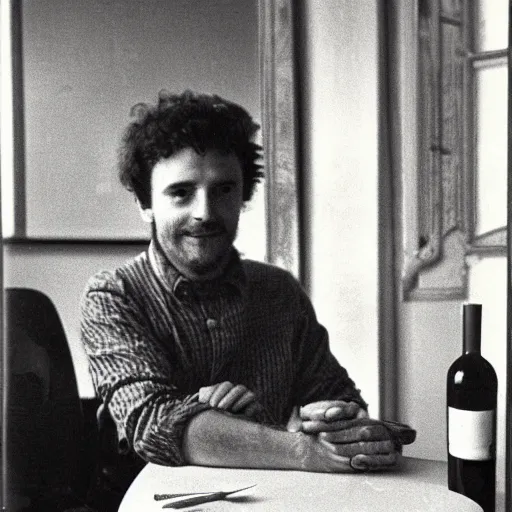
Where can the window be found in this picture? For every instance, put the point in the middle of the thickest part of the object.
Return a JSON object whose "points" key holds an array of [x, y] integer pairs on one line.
{"points": [[460, 204]]}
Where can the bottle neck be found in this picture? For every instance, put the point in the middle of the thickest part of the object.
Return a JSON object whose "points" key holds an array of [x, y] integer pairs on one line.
{"points": [[472, 327]]}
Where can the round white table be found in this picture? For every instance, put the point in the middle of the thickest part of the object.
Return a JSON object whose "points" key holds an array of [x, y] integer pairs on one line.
{"points": [[417, 486]]}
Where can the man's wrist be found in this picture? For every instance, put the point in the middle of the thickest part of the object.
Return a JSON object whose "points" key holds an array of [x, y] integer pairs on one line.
{"points": [[295, 446], [301, 445]]}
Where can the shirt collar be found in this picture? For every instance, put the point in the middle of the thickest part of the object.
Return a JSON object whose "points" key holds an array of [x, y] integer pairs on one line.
{"points": [[234, 275]]}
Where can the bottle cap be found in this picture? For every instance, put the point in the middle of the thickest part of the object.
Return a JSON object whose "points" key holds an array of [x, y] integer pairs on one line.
{"points": [[472, 326]]}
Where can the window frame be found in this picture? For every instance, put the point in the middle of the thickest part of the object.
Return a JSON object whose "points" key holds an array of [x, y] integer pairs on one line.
{"points": [[435, 253]]}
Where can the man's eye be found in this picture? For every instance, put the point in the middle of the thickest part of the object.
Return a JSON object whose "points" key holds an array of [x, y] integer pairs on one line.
{"points": [[180, 193], [227, 188]]}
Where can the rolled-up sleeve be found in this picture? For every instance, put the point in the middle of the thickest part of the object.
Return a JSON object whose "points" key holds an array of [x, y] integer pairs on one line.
{"points": [[132, 374]]}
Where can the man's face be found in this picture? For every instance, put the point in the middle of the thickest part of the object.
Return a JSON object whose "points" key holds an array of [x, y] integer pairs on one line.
{"points": [[195, 205]]}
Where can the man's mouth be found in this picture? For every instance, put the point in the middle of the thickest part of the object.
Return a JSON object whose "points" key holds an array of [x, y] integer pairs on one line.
{"points": [[204, 234]]}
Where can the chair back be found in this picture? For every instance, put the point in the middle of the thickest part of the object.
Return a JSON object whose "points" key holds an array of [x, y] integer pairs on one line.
{"points": [[44, 423]]}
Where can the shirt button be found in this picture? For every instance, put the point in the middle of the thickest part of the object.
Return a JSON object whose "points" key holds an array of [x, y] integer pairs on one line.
{"points": [[211, 323]]}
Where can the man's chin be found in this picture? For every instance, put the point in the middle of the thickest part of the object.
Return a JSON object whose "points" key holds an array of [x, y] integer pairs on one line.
{"points": [[208, 267], [199, 264], [204, 271]]}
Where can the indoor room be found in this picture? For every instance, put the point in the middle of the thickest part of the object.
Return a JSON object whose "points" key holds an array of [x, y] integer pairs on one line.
{"points": [[384, 127]]}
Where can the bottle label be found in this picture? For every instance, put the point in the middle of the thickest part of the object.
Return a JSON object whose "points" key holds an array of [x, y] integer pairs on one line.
{"points": [[471, 434]]}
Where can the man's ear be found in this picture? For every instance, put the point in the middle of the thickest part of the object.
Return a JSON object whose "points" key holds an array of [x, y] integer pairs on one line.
{"points": [[145, 213]]}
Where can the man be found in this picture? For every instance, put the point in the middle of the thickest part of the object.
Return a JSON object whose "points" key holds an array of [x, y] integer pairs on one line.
{"points": [[202, 357]]}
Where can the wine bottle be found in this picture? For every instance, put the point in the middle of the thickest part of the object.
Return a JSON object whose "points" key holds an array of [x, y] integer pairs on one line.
{"points": [[472, 388]]}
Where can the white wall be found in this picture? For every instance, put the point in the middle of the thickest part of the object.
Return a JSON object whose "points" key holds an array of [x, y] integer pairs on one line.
{"points": [[339, 122]]}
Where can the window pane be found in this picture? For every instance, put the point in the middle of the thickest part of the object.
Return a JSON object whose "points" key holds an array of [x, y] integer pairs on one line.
{"points": [[491, 23], [491, 144]]}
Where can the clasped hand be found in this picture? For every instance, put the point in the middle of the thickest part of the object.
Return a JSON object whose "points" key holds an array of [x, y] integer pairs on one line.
{"points": [[333, 435], [234, 398], [341, 436]]}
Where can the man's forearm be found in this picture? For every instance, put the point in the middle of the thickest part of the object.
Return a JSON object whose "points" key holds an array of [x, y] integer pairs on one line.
{"points": [[214, 438]]}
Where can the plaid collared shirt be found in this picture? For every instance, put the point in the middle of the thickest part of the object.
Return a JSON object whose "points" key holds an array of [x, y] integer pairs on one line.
{"points": [[153, 338]]}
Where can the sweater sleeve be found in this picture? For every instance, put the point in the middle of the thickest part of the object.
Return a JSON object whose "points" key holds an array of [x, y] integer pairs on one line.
{"points": [[132, 374], [320, 376]]}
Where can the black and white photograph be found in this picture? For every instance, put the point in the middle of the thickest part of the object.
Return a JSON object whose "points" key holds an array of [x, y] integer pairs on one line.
{"points": [[255, 255]]}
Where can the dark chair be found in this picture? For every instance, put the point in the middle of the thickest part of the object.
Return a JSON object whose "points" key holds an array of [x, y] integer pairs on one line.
{"points": [[115, 470], [44, 424]]}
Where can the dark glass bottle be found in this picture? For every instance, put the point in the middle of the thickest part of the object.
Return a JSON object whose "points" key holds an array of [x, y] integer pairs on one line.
{"points": [[472, 388]]}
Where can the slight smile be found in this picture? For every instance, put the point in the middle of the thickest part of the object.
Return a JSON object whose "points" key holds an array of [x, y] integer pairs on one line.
{"points": [[205, 235]]}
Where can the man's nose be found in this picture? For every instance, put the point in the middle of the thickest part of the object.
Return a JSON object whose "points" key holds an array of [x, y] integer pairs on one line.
{"points": [[203, 206]]}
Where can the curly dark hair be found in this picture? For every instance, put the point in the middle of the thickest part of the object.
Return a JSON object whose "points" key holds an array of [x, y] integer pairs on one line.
{"points": [[200, 121]]}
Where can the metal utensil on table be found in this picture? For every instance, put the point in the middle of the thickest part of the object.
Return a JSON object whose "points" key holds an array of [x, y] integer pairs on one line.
{"points": [[197, 499], [160, 497]]}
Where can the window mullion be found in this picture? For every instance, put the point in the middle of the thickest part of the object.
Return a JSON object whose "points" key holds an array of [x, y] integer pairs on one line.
{"points": [[488, 55]]}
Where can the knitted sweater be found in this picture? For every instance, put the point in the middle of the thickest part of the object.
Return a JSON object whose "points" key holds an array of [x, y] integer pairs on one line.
{"points": [[154, 338]]}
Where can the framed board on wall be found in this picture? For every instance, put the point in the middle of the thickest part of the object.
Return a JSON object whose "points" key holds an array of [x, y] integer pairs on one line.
{"points": [[77, 69]]}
